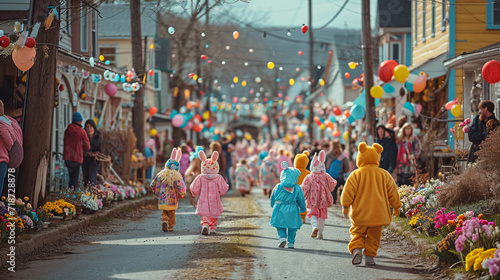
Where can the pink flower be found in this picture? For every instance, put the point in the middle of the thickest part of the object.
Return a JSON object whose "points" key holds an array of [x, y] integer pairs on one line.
{"points": [[465, 129], [491, 224], [459, 243], [475, 237], [452, 130], [493, 270], [467, 121]]}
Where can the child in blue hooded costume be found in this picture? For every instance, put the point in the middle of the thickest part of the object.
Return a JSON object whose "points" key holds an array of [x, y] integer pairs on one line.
{"points": [[286, 199]]}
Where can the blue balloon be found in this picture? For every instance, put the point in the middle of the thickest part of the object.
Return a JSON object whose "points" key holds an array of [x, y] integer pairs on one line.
{"points": [[171, 30], [388, 88], [122, 79], [332, 119], [321, 120], [409, 86], [409, 107], [107, 62], [215, 137], [173, 113], [117, 78], [351, 119], [270, 103], [306, 113], [213, 109], [357, 112], [361, 101], [204, 129]]}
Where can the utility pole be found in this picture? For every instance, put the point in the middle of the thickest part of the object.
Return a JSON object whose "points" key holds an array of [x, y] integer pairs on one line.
{"points": [[366, 45], [39, 98], [138, 110], [311, 73]]}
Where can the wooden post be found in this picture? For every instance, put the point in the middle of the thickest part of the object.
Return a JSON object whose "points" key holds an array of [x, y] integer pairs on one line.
{"points": [[311, 70], [39, 108], [138, 110], [366, 45]]}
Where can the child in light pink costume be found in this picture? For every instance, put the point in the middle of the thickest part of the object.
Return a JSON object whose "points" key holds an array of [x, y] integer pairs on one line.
{"points": [[317, 188], [209, 185]]}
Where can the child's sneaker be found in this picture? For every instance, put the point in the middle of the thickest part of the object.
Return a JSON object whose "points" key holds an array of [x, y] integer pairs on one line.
{"points": [[282, 243], [213, 231], [291, 246], [170, 229], [314, 233], [320, 235], [369, 260], [357, 256], [204, 230], [164, 227]]}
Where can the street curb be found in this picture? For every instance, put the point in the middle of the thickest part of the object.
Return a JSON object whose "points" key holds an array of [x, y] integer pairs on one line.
{"points": [[421, 245], [55, 234]]}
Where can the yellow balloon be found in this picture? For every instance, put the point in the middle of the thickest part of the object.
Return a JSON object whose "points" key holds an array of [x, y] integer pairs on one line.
{"points": [[244, 83], [195, 77], [321, 82], [235, 80], [153, 132], [248, 137], [322, 126], [236, 34], [206, 115], [243, 99], [95, 121], [376, 92], [291, 82], [401, 73], [301, 134], [346, 135], [352, 65], [101, 57], [456, 110], [270, 65]]}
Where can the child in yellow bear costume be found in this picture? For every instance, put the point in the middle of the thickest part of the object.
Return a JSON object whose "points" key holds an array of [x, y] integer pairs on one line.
{"points": [[300, 162], [370, 191]]}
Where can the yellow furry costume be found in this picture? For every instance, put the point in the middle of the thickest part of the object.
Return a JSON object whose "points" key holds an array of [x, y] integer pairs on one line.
{"points": [[300, 162], [370, 192]]}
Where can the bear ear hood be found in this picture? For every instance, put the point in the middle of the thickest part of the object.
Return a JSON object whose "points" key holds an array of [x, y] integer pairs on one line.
{"points": [[289, 175], [301, 160], [368, 154]]}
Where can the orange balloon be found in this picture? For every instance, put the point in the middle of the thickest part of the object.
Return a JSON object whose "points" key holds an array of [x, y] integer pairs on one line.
{"points": [[316, 119], [189, 105], [331, 125], [197, 104], [336, 133], [216, 131], [24, 58], [153, 110], [347, 114]]}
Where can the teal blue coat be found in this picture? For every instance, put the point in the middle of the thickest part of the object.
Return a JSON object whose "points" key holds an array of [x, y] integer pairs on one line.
{"points": [[286, 204]]}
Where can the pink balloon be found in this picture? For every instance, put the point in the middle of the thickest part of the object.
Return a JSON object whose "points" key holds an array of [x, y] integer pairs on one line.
{"points": [[235, 99], [420, 83], [110, 89], [450, 104], [189, 125], [177, 120], [418, 109]]}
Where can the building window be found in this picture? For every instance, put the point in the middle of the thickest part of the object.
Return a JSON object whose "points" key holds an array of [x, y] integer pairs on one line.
{"points": [[423, 21], [415, 23], [396, 52], [443, 15], [68, 17], [84, 29], [493, 15], [94, 33], [433, 27], [109, 54]]}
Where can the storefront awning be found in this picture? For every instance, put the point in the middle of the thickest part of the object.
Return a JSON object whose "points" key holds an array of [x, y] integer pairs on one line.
{"points": [[474, 60], [434, 67]]}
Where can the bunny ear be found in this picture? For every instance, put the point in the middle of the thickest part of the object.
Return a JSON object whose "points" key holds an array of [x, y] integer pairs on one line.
{"points": [[202, 156], [322, 156], [284, 165], [179, 154], [315, 160], [174, 154], [215, 156]]}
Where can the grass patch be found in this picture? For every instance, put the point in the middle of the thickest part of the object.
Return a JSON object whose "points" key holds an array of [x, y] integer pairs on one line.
{"points": [[101, 220]]}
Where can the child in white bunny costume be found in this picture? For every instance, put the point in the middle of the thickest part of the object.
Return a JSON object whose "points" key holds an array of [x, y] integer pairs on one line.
{"points": [[169, 187], [318, 187], [209, 185]]}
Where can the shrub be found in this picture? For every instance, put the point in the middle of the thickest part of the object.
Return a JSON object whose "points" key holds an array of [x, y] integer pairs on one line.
{"points": [[468, 187]]}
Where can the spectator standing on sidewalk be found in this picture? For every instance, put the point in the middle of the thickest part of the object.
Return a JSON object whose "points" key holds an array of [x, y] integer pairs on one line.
{"points": [[477, 130], [76, 142]]}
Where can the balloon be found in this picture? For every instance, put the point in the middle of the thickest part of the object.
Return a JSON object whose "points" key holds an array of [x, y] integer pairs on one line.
{"points": [[91, 61], [258, 80], [336, 133], [248, 137], [204, 56], [388, 88], [264, 118], [153, 132], [110, 89], [322, 126], [236, 34], [189, 105], [117, 78], [401, 73], [24, 58], [352, 65], [30, 42], [409, 107], [4, 41], [412, 78], [235, 99], [152, 110], [195, 77], [198, 128], [107, 62], [291, 82], [456, 110], [214, 109], [206, 115], [420, 83], [244, 83], [347, 114], [418, 109], [270, 65], [347, 75], [351, 120], [101, 57], [337, 111], [409, 86], [300, 134], [450, 104], [191, 75], [171, 30], [376, 92], [321, 82], [173, 113], [346, 135], [177, 120], [235, 80], [301, 53], [303, 127], [306, 113], [357, 112], [151, 72], [491, 72], [304, 28], [386, 70], [122, 79]]}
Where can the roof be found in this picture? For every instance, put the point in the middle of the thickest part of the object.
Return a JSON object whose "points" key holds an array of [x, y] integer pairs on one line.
{"points": [[394, 13], [115, 21], [474, 60]]}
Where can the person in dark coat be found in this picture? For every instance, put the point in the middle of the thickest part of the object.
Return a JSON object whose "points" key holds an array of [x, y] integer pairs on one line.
{"points": [[90, 164], [477, 130], [76, 142], [386, 137]]}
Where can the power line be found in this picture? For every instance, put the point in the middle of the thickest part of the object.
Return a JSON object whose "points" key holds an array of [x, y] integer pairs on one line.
{"points": [[334, 17]]}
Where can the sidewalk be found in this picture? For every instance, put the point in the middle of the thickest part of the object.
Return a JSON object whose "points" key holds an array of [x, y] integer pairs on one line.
{"points": [[58, 232]]}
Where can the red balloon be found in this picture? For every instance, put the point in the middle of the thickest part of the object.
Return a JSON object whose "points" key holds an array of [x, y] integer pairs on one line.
{"points": [[61, 87], [153, 110], [337, 111], [198, 117], [300, 53], [203, 56], [386, 70], [491, 72], [30, 42], [304, 28], [198, 128], [151, 72], [4, 41], [347, 75], [336, 133]]}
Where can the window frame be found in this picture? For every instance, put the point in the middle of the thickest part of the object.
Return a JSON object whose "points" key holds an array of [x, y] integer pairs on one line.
{"points": [[443, 15], [93, 33], [415, 22], [490, 16], [433, 15], [84, 29], [423, 21], [391, 56]]}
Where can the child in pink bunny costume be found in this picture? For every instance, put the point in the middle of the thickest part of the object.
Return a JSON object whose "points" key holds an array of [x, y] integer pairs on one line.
{"points": [[318, 187], [169, 187], [209, 185]]}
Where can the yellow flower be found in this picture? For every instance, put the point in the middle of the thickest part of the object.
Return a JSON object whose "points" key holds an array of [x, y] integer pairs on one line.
{"points": [[4, 198], [471, 258], [26, 198], [488, 254]]}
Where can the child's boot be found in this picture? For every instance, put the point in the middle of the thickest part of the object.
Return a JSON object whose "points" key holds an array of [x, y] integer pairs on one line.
{"points": [[314, 233], [164, 227], [357, 256], [282, 243], [369, 260], [204, 230], [320, 235], [291, 246]]}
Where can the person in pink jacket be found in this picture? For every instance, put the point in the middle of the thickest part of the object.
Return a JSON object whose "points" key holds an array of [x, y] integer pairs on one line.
{"points": [[318, 187], [281, 158], [7, 138], [209, 185]]}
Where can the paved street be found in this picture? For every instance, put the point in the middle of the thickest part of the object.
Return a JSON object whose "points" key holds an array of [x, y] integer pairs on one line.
{"points": [[245, 247]]}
